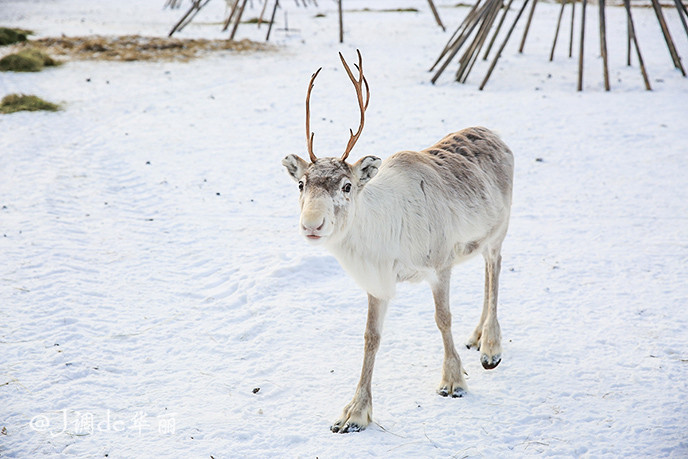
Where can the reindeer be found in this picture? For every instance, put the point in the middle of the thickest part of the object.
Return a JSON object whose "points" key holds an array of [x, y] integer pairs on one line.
{"points": [[411, 217]]}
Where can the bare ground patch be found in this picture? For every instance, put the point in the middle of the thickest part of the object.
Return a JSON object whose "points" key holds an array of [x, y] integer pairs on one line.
{"points": [[137, 47]]}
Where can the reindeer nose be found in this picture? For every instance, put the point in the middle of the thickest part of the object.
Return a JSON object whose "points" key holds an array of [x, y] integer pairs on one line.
{"points": [[308, 226]]}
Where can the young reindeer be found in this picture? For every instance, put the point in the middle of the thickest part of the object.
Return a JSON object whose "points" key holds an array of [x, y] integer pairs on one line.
{"points": [[410, 218]]}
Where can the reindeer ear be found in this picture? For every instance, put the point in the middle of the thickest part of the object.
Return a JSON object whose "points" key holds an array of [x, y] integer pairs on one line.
{"points": [[366, 168], [295, 166]]}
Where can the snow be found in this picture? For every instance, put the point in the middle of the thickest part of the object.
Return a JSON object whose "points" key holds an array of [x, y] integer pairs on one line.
{"points": [[153, 276]]}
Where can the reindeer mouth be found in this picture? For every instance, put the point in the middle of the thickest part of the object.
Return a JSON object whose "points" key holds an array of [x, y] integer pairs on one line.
{"points": [[313, 237], [313, 232]]}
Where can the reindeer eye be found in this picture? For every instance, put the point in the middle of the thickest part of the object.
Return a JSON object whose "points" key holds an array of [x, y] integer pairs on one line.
{"points": [[346, 188], [300, 185]]}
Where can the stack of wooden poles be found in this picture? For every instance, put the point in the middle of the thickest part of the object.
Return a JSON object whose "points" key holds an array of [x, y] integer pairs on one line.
{"points": [[474, 31], [236, 11]]}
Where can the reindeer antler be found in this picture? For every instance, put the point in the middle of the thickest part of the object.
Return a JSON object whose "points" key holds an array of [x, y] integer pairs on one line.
{"points": [[358, 85], [309, 134]]}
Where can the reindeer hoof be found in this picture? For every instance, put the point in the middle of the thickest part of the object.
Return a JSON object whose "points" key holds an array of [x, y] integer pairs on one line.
{"points": [[458, 392], [490, 363], [473, 345], [346, 428]]}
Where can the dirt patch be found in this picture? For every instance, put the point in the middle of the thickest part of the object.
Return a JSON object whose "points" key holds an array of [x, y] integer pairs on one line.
{"points": [[138, 48]]}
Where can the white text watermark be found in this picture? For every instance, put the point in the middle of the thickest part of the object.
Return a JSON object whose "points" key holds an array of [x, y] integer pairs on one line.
{"points": [[81, 423]]}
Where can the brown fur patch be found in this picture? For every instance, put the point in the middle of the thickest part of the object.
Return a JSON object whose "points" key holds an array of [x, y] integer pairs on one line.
{"points": [[327, 173]]}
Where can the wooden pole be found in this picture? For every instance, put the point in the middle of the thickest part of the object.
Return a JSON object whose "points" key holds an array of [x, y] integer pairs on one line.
{"points": [[272, 19], [681, 10], [262, 13], [627, 5], [556, 32], [461, 41], [501, 48], [471, 55], [628, 41], [603, 44], [573, 16], [525, 32], [459, 31], [496, 32], [341, 23], [437, 16], [231, 15], [194, 5], [193, 15], [667, 37], [582, 46], [238, 20]]}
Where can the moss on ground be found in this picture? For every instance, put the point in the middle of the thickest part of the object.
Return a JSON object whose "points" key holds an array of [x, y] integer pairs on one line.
{"points": [[26, 60], [21, 102], [388, 10], [256, 21], [10, 36]]}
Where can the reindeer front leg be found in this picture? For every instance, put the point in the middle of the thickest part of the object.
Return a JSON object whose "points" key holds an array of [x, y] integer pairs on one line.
{"points": [[359, 412]]}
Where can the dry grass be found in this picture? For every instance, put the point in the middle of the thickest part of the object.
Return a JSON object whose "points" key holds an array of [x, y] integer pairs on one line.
{"points": [[138, 48], [21, 102]]}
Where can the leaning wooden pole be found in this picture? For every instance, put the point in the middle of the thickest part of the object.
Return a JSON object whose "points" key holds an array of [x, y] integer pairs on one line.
{"points": [[272, 19], [631, 29], [681, 10], [193, 15], [501, 48], [525, 32], [556, 32], [603, 44], [628, 41], [667, 37], [582, 46], [238, 20], [478, 40], [231, 15], [457, 35], [194, 5], [573, 17], [262, 13], [497, 29], [467, 33], [478, 43], [437, 15]]}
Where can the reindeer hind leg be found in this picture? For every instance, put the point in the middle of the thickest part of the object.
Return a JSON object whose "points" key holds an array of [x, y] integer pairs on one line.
{"points": [[490, 338], [453, 383]]}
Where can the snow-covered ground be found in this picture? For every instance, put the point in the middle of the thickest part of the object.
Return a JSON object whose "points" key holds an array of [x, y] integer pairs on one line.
{"points": [[153, 277]]}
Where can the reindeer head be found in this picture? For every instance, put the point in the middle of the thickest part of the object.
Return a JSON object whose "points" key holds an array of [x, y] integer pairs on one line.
{"points": [[329, 187]]}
